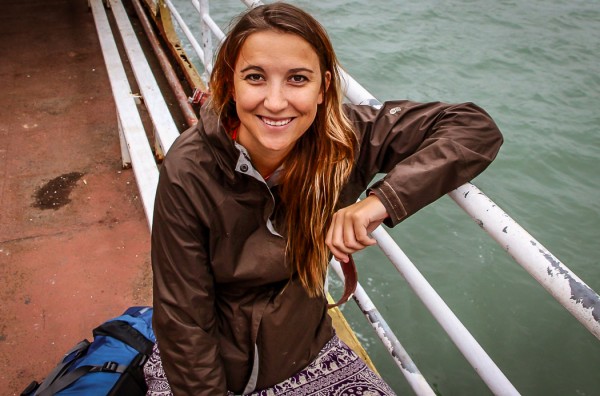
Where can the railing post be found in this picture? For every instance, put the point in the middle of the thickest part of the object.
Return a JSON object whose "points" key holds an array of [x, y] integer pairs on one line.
{"points": [[206, 39], [407, 367]]}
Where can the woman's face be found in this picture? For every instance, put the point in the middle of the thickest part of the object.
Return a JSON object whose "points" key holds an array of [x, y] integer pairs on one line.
{"points": [[277, 87]]}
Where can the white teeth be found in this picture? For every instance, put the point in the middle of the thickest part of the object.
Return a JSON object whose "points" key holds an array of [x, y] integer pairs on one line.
{"points": [[277, 123]]}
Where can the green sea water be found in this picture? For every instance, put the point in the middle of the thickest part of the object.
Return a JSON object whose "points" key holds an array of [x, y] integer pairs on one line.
{"points": [[535, 67]]}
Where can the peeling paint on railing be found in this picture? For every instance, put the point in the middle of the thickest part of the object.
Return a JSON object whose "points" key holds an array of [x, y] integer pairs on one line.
{"points": [[570, 291], [388, 338]]}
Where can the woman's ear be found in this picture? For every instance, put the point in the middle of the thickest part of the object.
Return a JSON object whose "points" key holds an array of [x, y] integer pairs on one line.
{"points": [[327, 81]]}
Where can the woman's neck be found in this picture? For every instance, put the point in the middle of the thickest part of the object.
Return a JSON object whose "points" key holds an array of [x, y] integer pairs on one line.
{"points": [[265, 168], [264, 161]]}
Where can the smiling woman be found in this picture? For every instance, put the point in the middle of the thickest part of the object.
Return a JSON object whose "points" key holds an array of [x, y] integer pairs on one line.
{"points": [[254, 199], [277, 87]]}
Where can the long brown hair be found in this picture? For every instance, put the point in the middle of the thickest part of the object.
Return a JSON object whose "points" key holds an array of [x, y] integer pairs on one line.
{"points": [[320, 162]]}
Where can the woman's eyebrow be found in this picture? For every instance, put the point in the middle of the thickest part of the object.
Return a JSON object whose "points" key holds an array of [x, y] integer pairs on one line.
{"points": [[301, 69], [252, 67], [294, 70]]}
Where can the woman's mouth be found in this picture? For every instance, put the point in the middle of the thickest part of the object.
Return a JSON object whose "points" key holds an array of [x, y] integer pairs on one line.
{"points": [[277, 123]]}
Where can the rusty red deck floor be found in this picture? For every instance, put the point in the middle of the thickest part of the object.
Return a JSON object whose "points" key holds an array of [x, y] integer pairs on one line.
{"points": [[83, 257]]}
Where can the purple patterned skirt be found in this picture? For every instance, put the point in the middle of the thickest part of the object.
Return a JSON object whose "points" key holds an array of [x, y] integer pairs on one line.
{"points": [[336, 371]]}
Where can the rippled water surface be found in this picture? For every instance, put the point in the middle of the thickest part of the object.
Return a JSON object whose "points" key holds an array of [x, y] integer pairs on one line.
{"points": [[534, 66]]}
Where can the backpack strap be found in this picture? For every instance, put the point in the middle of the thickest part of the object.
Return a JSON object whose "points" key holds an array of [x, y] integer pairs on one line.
{"points": [[70, 357], [72, 376], [124, 332]]}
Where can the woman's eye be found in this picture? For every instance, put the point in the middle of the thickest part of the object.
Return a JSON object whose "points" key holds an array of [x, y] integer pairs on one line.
{"points": [[254, 77], [298, 79]]}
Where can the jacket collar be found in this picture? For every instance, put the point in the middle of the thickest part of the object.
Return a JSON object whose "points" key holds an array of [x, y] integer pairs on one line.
{"points": [[220, 143], [229, 155]]}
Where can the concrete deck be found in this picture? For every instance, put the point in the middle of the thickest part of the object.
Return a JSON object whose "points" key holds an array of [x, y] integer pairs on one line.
{"points": [[74, 242]]}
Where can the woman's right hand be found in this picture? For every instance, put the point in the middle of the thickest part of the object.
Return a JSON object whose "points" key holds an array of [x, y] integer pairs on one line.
{"points": [[350, 227]]}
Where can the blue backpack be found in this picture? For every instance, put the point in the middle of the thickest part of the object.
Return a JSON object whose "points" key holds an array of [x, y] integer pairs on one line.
{"points": [[110, 365]]}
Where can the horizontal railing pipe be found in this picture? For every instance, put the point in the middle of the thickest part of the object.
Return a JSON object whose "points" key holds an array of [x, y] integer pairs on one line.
{"points": [[570, 291], [158, 110], [462, 338], [167, 68], [130, 122]]}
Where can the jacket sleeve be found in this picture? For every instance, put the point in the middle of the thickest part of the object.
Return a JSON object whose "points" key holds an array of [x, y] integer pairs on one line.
{"points": [[184, 318], [425, 149]]}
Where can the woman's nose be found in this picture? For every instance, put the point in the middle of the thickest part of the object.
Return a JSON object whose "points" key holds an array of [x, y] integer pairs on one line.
{"points": [[275, 99]]}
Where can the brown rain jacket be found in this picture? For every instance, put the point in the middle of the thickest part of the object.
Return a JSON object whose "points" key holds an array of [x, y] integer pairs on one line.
{"points": [[223, 315]]}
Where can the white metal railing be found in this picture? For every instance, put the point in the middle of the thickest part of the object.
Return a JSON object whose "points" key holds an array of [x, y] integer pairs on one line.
{"points": [[404, 362], [566, 287], [554, 276], [458, 333], [157, 108], [134, 142], [187, 32]]}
